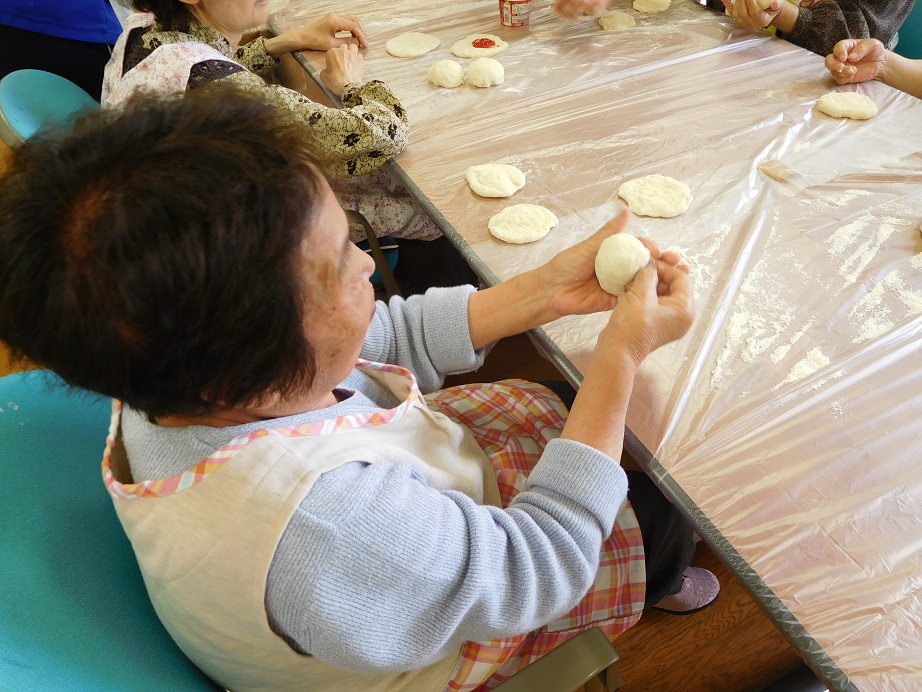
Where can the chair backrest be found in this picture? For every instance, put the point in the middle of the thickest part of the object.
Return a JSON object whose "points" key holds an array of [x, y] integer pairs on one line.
{"points": [[31, 100], [74, 613], [910, 41]]}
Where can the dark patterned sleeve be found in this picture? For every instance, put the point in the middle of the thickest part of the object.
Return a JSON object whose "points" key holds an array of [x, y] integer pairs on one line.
{"points": [[255, 57], [356, 139], [823, 23]]}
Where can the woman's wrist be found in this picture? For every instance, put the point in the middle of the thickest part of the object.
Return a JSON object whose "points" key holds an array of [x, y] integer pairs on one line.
{"points": [[786, 18]]}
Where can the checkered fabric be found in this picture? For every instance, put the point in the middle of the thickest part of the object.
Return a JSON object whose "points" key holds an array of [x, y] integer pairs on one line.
{"points": [[512, 421]]}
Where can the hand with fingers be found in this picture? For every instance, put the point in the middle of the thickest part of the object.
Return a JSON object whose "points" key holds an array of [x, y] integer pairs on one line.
{"points": [[853, 61], [753, 14], [344, 65]]}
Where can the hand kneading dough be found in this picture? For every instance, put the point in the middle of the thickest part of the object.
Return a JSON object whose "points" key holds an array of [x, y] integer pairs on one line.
{"points": [[652, 6], [465, 48], [485, 72], [446, 73], [522, 223], [656, 195], [495, 179], [619, 258], [411, 45], [847, 104], [614, 20]]}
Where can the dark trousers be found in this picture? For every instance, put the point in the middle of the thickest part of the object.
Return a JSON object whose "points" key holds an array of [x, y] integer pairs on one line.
{"points": [[667, 538], [79, 61]]}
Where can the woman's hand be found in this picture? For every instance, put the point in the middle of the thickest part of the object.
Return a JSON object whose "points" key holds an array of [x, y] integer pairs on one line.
{"points": [[856, 60], [751, 13], [579, 8], [321, 35], [345, 65]]}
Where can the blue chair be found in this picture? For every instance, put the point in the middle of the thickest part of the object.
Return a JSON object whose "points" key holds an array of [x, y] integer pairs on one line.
{"points": [[910, 35], [31, 100], [74, 614]]}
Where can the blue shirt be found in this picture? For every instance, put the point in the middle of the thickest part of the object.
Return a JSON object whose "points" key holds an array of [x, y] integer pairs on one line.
{"points": [[82, 20]]}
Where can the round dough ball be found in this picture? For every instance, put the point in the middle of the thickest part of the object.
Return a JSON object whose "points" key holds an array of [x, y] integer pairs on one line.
{"points": [[620, 257], [411, 45], [847, 104], [478, 46], [522, 223], [656, 195], [614, 20], [485, 72], [446, 73], [495, 179], [652, 6]]}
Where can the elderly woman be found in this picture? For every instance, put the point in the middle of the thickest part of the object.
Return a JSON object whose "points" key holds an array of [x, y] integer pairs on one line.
{"points": [[183, 45], [303, 516]]}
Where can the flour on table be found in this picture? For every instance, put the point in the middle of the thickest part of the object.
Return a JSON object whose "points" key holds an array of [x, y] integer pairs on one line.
{"points": [[412, 45], [873, 318], [652, 6], [522, 223], [485, 72], [495, 179], [615, 20], [656, 195], [847, 104], [810, 363], [447, 74], [618, 260], [479, 46]]}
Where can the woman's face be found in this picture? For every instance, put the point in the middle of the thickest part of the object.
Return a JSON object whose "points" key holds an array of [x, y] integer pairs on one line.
{"points": [[230, 17], [340, 300]]}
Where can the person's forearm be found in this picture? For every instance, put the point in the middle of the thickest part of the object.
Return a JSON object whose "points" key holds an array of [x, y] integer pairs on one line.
{"points": [[785, 20], [902, 73], [512, 307]]}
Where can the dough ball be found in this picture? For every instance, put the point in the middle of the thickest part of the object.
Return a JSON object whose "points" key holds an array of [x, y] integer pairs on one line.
{"points": [[656, 195], [485, 72], [411, 45], [847, 104], [522, 223], [614, 20], [619, 258], [478, 46], [445, 73], [495, 179], [652, 6]]}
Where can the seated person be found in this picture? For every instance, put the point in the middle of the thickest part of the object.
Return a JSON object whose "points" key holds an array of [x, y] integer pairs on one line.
{"points": [[817, 24], [855, 61], [304, 517]]}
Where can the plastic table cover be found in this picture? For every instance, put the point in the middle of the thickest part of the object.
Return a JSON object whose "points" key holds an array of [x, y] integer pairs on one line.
{"points": [[786, 423]]}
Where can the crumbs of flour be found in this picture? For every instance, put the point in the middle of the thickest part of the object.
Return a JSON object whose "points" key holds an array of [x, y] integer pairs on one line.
{"points": [[873, 317], [808, 365], [839, 199]]}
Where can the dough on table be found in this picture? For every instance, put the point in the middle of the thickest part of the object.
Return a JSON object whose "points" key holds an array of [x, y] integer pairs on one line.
{"points": [[652, 6], [656, 195], [479, 46], [485, 72], [847, 104], [446, 73], [495, 179], [614, 20], [412, 45], [619, 258], [522, 223]]}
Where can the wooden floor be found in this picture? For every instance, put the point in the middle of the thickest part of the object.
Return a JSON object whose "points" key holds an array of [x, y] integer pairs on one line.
{"points": [[730, 647]]}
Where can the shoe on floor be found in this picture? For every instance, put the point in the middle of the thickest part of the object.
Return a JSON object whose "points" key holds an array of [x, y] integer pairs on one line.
{"points": [[700, 589]]}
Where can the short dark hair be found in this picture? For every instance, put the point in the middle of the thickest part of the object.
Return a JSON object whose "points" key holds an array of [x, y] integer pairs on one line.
{"points": [[153, 254], [166, 12]]}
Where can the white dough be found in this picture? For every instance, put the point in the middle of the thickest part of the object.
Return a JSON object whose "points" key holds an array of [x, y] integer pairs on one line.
{"points": [[652, 6], [614, 20], [522, 223], [656, 195], [495, 179], [446, 73], [411, 45], [485, 72], [847, 104], [619, 258], [465, 48]]}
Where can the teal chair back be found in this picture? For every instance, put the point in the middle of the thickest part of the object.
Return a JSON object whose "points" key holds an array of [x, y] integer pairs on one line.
{"points": [[33, 99], [74, 613], [910, 43]]}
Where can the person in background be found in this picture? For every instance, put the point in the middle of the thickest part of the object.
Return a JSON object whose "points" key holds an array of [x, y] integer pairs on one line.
{"points": [[70, 38], [182, 45], [853, 61], [304, 515], [817, 24]]}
